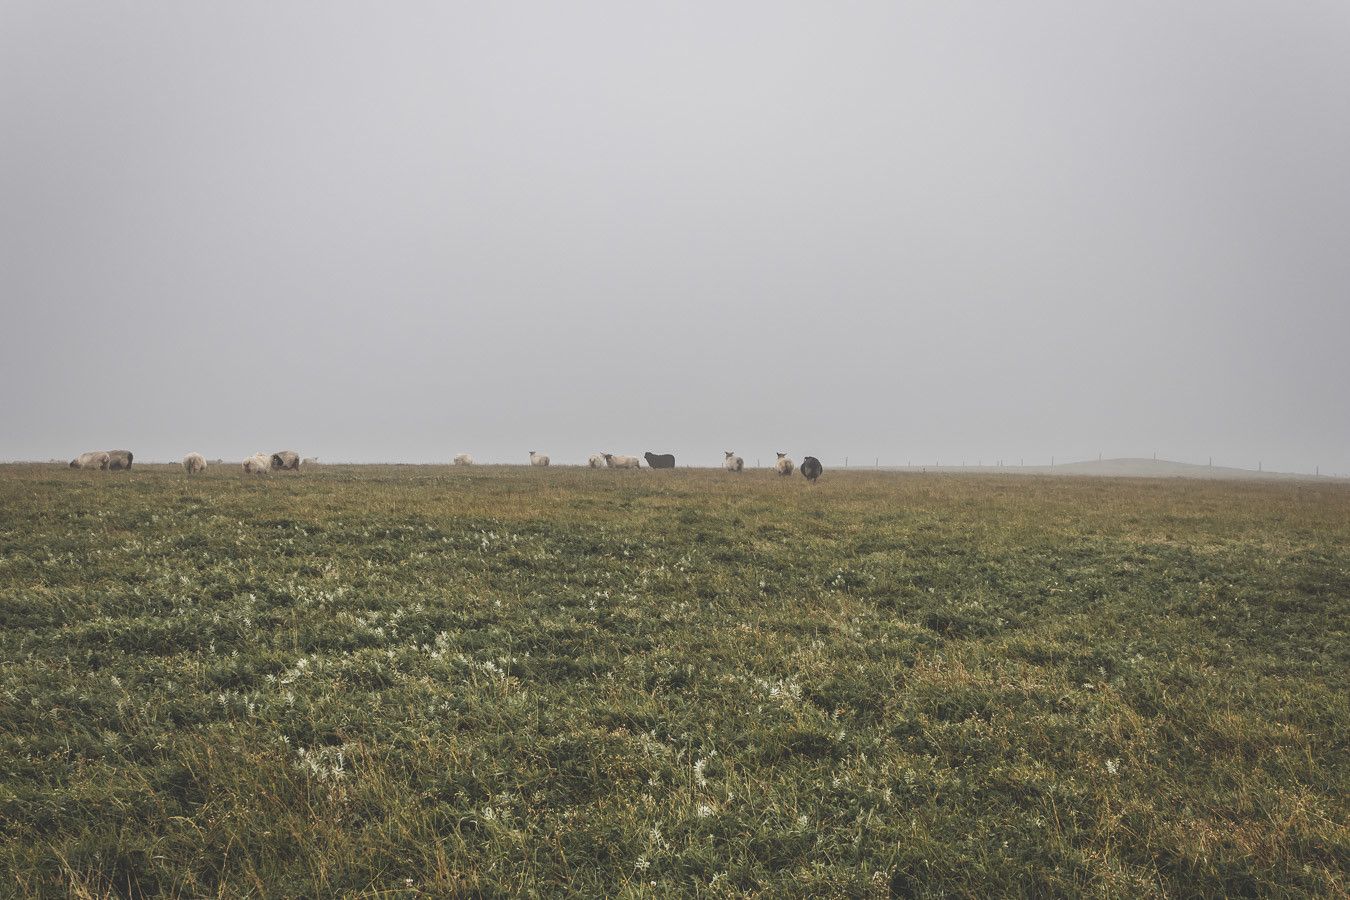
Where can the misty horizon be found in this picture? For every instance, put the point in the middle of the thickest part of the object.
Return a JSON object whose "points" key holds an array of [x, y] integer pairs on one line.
{"points": [[926, 234]]}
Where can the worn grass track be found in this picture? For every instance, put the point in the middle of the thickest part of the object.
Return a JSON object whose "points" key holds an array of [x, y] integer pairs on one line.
{"points": [[506, 681]]}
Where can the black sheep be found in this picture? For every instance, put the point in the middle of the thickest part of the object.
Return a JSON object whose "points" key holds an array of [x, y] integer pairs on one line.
{"points": [[659, 460], [811, 468]]}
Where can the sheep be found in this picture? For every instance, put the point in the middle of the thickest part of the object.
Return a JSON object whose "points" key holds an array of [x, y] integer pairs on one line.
{"points": [[309, 462], [194, 463], [463, 459], [119, 459], [732, 463], [596, 461], [94, 459], [622, 462], [783, 465], [659, 460], [286, 459], [811, 469], [538, 459], [258, 464]]}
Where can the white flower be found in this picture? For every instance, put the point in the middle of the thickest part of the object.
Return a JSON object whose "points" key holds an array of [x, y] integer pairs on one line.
{"points": [[1112, 766], [704, 810]]}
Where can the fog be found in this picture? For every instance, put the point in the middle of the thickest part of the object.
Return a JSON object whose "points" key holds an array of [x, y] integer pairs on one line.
{"points": [[897, 231]]}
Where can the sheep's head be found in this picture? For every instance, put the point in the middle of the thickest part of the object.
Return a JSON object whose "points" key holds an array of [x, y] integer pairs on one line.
{"points": [[781, 455], [607, 456]]}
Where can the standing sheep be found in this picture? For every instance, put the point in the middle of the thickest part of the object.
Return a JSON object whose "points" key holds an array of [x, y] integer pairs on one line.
{"points": [[596, 461], [194, 463], [94, 459], [309, 462], [463, 459], [659, 460], [258, 464], [622, 462], [732, 463], [811, 469], [538, 459], [783, 465], [286, 460], [119, 459]]}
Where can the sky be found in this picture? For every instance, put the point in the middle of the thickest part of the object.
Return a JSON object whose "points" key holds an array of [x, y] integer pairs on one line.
{"points": [[906, 231]]}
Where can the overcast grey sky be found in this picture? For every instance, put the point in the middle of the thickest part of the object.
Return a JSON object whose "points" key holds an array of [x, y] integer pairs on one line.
{"points": [[923, 231]]}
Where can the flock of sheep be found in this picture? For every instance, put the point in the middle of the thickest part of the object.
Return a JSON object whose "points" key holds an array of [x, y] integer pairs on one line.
{"points": [[811, 468], [289, 460], [257, 464]]}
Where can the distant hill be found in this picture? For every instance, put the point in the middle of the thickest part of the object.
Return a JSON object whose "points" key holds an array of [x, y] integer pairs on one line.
{"points": [[1123, 468]]}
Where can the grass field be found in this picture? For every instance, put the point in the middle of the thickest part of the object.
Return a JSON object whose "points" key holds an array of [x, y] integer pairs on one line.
{"points": [[504, 681]]}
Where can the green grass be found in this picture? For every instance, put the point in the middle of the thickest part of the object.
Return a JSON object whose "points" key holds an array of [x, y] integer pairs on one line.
{"points": [[418, 680]]}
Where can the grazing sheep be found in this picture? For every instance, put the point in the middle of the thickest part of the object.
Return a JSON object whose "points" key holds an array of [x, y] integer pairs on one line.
{"points": [[732, 463], [659, 460], [811, 469], [538, 459], [783, 465], [622, 462], [194, 463], [309, 462], [258, 464], [119, 459], [596, 461], [286, 459], [463, 459], [94, 459]]}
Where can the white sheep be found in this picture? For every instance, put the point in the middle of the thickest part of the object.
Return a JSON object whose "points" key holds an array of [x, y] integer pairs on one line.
{"points": [[119, 459], [622, 462], [732, 463], [94, 459], [463, 459], [286, 460], [783, 465], [538, 459], [194, 463]]}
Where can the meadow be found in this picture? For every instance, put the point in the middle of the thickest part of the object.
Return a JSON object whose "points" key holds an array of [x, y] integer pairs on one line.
{"points": [[423, 681]]}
